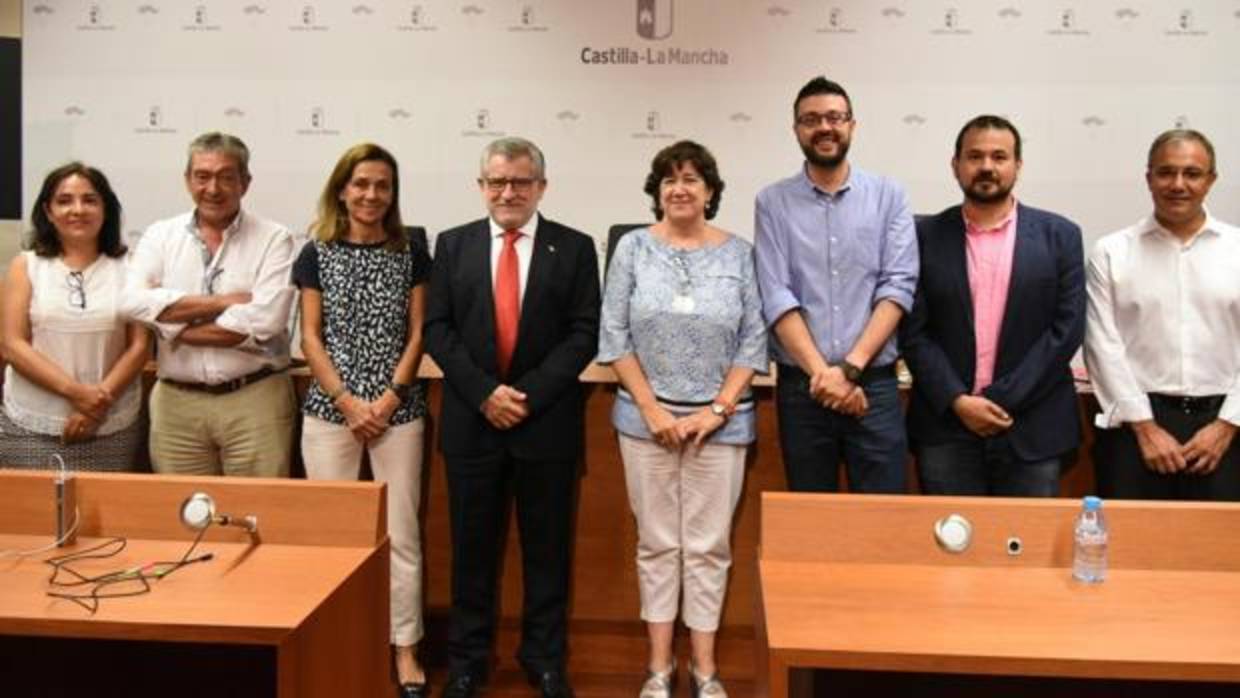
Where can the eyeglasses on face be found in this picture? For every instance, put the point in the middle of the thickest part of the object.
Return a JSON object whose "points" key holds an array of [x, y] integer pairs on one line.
{"points": [[499, 184], [811, 119]]}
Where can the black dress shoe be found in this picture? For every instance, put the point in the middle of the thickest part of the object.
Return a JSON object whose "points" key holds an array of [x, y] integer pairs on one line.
{"points": [[411, 689], [551, 684], [461, 686]]}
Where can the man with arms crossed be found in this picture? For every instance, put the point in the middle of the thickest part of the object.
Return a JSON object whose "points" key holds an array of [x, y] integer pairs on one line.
{"points": [[1162, 340], [999, 313], [837, 266], [214, 285], [512, 319]]}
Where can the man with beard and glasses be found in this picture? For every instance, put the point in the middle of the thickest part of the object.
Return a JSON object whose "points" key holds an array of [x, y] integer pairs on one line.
{"points": [[837, 267], [1163, 344], [999, 313]]}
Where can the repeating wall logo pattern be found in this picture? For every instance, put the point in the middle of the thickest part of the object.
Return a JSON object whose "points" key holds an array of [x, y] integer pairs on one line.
{"points": [[579, 75]]}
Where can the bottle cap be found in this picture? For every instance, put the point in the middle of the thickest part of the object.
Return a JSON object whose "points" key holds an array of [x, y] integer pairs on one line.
{"points": [[1093, 503]]}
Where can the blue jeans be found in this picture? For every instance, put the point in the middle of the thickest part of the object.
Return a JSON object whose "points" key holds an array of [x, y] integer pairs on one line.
{"points": [[984, 466], [815, 439]]}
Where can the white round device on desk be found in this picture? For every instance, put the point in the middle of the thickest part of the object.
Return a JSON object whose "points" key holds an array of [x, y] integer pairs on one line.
{"points": [[197, 511], [953, 533]]}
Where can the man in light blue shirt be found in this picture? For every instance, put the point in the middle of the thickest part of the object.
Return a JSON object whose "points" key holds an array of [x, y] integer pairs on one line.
{"points": [[837, 266]]}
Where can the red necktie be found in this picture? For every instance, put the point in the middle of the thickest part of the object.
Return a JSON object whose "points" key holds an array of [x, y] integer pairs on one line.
{"points": [[507, 302]]}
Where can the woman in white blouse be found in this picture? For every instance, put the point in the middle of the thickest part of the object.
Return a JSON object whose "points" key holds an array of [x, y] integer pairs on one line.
{"points": [[69, 385]]}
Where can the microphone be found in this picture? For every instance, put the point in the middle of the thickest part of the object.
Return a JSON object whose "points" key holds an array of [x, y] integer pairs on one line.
{"points": [[65, 494], [198, 512]]}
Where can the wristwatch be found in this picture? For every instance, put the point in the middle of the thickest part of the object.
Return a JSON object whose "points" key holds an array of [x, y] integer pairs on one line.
{"points": [[403, 391], [851, 371], [720, 409]]}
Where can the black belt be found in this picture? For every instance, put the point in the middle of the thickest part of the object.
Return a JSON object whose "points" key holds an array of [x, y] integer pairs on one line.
{"points": [[869, 374], [227, 386], [1188, 404]]}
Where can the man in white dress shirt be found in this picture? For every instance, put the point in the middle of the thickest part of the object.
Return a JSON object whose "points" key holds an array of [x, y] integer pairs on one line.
{"points": [[213, 284], [1162, 338]]}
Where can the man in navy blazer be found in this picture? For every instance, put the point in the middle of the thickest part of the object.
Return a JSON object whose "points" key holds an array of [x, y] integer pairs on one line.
{"points": [[999, 313], [512, 319]]}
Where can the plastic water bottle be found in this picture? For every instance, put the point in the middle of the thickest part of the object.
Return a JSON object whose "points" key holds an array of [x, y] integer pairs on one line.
{"points": [[1089, 558]]}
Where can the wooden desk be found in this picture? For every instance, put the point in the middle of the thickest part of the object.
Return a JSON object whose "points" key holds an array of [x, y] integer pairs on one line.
{"points": [[302, 612], [858, 583]]}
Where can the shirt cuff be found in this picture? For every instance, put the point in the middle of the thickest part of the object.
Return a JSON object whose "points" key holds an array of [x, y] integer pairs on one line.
{"points": [[1230, 411], [777, 305], [904, 299], [609, 352], [1129, 409], [168, 331]]}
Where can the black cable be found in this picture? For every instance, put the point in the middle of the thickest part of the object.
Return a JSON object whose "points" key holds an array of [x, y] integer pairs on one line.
{"points": [[142, 574]]}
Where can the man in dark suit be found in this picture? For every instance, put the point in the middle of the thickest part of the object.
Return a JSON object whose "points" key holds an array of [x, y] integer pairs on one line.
{"points": [[998, 315], [512, 320]]}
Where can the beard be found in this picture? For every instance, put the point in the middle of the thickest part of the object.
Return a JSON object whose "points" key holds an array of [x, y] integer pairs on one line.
{"points": [[975, 193], [826, 161]]}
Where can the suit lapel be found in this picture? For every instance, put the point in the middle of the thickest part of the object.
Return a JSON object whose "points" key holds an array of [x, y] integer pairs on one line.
{"points": [[476, 267], [1021, 259], [958, 266], [542, 262]]}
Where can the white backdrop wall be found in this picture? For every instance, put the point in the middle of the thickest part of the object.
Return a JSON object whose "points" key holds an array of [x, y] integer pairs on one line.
{"points": [[126, 85]]}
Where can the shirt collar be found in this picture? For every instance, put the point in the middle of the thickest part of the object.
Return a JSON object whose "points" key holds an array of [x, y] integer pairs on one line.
{"points": [[191, 226], [1150, 226], [529, 229], [1002, 226], [815, 189]]}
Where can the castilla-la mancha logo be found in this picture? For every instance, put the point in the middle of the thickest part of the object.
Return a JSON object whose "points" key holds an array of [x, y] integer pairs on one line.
{"points": [[837, 22], [96, 19], [654, 19]]}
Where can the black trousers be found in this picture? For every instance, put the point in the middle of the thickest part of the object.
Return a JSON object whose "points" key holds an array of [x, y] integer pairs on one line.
{"points": [[479, 491], [1122, 473]]}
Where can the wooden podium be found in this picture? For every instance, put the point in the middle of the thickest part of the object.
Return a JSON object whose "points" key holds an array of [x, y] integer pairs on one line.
{"points": [[299, 611], [856, 583]]}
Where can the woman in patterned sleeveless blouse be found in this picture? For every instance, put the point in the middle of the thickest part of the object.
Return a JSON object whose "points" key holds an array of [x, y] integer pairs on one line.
{"points": [[69, 387], [363, 296]]}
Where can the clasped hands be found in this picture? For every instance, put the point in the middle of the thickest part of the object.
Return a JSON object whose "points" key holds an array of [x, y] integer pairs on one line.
{"points": [[672, 432], [506, 407], [831, 389], [367, 419], [981, 415], [91, 403], [1200, 455]]}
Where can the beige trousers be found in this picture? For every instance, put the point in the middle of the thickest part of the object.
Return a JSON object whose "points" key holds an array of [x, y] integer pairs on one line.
{"points": [[683, 501], [331, 453], [245, 432]]}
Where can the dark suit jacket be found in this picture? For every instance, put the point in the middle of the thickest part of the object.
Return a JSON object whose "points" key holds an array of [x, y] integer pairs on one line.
{"points": [[1043, 325], [556, 338]]}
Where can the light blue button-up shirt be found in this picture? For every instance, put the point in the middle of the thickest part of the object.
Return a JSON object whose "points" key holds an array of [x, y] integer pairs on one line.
{"points": [[834, 256]]}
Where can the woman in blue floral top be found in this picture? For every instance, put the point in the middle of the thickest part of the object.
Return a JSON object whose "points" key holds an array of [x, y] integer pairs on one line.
{"points": [[363, 296], [682, 327]]}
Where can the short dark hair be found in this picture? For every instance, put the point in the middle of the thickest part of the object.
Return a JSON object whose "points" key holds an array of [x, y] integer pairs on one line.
{"points": [[228, 144], [820, 85], [988, 121], [45, 240], [1176, 135], [667, 160]]}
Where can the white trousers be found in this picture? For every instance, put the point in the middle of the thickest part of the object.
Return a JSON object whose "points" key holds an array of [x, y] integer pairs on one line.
{"points": [[683, 501], [331, 453]]}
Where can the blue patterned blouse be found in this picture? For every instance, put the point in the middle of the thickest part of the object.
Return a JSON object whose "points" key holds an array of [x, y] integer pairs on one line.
{"points": [[688, 316]]}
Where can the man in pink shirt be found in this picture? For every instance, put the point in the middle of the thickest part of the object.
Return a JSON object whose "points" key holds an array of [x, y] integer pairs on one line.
{"points": [[998, 314]]}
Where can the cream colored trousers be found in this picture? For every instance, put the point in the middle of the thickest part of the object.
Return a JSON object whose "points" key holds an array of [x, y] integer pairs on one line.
{"points": [[683, 501], [331, 453]]}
